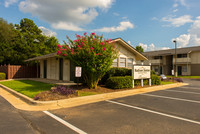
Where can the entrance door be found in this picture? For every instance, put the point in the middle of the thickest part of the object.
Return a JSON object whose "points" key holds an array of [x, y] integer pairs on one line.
{"points": [[179, 70], [60, 69], [45, 69]]}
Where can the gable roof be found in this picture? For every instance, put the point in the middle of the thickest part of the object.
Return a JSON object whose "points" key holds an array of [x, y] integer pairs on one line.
{"points": [[172, 51], [139, 56]]}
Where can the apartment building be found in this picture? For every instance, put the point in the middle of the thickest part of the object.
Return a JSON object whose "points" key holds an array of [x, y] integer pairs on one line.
{"points": [[187, 61]]}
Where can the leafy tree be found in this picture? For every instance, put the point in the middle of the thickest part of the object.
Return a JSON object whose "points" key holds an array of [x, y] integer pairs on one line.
{"points": [[139, 49], [93, 53], [23, 41]]}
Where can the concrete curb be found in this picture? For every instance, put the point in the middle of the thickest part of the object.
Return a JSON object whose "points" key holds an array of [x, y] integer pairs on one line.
{"points": [[88, 99]]}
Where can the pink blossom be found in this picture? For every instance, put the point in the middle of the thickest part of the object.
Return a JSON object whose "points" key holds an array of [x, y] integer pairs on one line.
{"points": [[91, 48], [102, 43], [59, 46], [104, 48], [82, 43], [72, 50], [85, 33], [78, 36], [65, 54], [93, 33], [58, 52], [78, 46]]}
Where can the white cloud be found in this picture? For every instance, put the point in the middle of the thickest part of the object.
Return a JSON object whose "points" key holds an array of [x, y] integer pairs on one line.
{"points": [[47, 31], [175, 5], [192, 38], [7, 3], [175, 10], [152, 47], [124, 25], [144, 46], [154, 18], [179, 21], [69, 14], [182, 2]]}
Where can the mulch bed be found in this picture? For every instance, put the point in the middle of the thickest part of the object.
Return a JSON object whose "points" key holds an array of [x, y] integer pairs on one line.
{"points": [[48, 95]]}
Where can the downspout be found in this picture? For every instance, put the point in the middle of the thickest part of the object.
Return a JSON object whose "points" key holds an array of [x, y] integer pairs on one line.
{"points": [[188, 61]]}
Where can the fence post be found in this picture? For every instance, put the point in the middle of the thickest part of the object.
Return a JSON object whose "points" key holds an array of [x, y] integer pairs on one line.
{"points": [[8, 71]]}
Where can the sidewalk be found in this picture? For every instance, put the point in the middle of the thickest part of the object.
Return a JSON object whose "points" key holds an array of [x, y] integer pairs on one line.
{"points": [[65, 103]]}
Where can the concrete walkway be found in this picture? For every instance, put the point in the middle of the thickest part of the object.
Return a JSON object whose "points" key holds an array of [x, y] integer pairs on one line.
{"points": [[65, 103]]}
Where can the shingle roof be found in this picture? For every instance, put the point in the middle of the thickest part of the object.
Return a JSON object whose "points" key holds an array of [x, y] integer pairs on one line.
{"points": [[172, 51]]}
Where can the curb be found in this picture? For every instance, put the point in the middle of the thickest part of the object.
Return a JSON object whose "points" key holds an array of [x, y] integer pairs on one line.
{"points": [[89, 99]]}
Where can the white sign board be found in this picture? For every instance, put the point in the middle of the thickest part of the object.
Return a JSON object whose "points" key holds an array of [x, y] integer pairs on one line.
{"points": [[141, 72], [78, 71]]}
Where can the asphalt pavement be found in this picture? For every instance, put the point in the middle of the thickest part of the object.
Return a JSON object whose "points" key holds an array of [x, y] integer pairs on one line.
{"points": [[171, 111]]}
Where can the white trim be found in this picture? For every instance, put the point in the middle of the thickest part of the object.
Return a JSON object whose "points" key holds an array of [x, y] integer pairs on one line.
{"points": [[65, 123]]}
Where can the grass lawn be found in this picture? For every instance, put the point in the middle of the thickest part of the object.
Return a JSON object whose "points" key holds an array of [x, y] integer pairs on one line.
{"points": [[166, 82], [27, 87], [194, 77]]}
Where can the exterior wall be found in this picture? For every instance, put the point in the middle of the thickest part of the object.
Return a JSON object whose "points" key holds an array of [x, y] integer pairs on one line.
{"points": [[195, 57], [41, 68], [124, 53], [195, 69], [66, 70], [52, 68]]}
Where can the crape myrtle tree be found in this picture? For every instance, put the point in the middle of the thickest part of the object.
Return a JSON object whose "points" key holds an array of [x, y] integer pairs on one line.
{"points": [[93, 53]]}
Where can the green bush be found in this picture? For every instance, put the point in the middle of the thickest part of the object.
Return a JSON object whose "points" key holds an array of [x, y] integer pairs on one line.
{"points": [[119, 82], [155, 80], [138, 82], [115, 71], [153, 72], [2, 76]]}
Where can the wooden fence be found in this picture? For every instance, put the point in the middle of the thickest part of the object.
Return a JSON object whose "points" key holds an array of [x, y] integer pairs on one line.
{"points": [[18, 71]]}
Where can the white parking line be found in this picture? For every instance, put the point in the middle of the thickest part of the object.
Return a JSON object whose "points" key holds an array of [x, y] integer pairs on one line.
{"points": [[172, 98], [181, 91], [155, 112], [191, 88], [65, 123]]}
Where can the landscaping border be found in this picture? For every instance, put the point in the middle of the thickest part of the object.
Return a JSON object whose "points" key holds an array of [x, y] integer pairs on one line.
{"points": [[89, 99]]}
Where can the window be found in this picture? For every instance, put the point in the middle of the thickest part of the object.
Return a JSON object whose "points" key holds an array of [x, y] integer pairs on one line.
{"points": [[184, 68], [182, 56], [130, 62], [115, 61], [122, 62]]}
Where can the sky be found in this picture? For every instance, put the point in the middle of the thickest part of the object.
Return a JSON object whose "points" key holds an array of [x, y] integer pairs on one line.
{"points": [[152, 24]]}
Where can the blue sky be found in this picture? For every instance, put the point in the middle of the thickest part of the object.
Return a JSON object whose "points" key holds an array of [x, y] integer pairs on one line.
{"points": [[152, 24]]}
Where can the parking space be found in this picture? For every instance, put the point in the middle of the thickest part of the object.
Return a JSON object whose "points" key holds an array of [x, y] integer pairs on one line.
{"points": [[175, 110]]}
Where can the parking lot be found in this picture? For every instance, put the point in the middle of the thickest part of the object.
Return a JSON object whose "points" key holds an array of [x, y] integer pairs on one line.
{"points": [[171, 111]]}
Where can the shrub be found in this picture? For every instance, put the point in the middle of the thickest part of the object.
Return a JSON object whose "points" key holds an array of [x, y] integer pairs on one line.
{"points": [[138, 82], [119, 82], [2, 76], [115, 71], [155, 80], [153, 72], [63, 90]]}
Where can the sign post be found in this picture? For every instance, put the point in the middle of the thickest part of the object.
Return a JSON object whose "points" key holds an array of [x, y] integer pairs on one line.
{"points": [[78, 71]]}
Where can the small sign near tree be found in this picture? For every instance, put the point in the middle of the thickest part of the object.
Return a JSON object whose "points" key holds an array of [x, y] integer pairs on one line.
{"points": [[78, 71]]}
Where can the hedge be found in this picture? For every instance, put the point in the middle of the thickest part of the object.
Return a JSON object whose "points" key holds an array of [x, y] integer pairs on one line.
{"points": [[119, 82], [115, 71], [2, 76], [155, 80]]}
